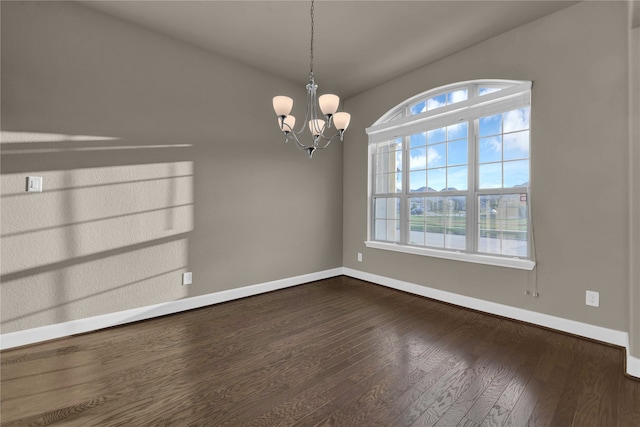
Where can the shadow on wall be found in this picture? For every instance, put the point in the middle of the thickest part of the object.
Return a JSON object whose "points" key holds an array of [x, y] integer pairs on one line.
{"points": [[109, 231]]}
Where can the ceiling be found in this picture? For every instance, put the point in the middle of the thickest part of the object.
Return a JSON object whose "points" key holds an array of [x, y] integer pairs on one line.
{"points": [[358, 44]]}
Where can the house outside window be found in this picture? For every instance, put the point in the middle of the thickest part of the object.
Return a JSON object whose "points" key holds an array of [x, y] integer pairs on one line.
{"points": [[449, 174]]}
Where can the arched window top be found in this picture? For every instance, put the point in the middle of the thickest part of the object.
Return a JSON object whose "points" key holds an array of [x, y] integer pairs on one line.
{"points": [[452, 97]]}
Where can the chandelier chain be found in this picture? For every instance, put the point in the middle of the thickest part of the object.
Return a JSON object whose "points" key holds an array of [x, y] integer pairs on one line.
{"points": [[311, 59]]}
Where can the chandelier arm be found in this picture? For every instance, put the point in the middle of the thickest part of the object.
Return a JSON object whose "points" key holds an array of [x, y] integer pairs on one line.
{"points": [[313, 107], [330, 138], [291, 131], [301, 147], [298, 132], [299, 144], [310, 99], [329, 141]]}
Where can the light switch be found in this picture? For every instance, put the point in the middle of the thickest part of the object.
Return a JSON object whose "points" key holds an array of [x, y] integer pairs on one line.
{"points": [[34, 184]]}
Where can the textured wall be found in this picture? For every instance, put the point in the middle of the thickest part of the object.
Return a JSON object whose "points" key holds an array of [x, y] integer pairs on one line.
{"points": [[578, 61], [634, 283], [157, 158]]}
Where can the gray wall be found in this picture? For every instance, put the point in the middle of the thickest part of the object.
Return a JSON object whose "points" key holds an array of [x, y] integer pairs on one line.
{"points": [[578, 61], [634, 176], [190, 172]]}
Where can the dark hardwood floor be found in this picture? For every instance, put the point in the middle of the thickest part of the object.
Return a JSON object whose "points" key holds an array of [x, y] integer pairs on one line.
{"points": [[338, 352]]}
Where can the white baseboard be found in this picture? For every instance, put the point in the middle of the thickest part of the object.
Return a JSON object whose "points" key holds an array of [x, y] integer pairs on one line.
{"points": [[611, 336], [59, 330]]}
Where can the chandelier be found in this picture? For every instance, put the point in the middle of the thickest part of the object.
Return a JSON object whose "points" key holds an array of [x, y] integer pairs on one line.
{"points": [[318, 127]]}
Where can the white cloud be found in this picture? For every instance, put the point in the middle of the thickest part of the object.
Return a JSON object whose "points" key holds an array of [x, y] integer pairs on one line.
{"points": [[518, 142], [433, 103], [433, 156], [516, 120], [494, 143], [421, 161], [457, 130], [458, 96]]}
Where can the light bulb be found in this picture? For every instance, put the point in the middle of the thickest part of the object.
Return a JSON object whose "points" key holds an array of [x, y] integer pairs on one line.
{"points": [[282, 105], [289, 123], [329, 104], [316, 126], [341, 120]]}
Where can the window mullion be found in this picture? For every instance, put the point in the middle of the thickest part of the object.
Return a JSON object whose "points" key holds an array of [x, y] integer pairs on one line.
{"points": [[472, 208], [404, 194], [371, 191]]}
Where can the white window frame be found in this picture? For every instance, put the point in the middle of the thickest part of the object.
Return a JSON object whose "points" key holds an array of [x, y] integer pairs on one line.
{"points": [[513, 95]]}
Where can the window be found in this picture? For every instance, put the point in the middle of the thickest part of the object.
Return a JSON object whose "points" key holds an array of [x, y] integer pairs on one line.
{"points": [[449, 174]]}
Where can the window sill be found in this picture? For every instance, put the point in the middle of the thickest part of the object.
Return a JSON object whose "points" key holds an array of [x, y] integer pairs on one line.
{"points": [[518, 263]]}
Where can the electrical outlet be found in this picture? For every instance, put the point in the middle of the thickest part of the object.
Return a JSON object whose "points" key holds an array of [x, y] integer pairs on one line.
{"points": [[187, 278], [34, 184], [593, 298], [359, 257]]}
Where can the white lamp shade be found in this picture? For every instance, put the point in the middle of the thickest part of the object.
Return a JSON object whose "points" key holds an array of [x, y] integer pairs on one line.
{"points": [[289, 123], [328, 104], [341, 120], [316, 126], [282, 105]]}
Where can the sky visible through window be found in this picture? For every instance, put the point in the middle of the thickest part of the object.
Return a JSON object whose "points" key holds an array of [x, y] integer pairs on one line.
{"points": [[504, 149], [438, 159], [439, 101]]}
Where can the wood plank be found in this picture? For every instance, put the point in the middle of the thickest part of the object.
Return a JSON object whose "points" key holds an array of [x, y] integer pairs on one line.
{"points": [[628, 402], [496, 355], [549, 398], [333, 352], [523, 408], [503, 378]]}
